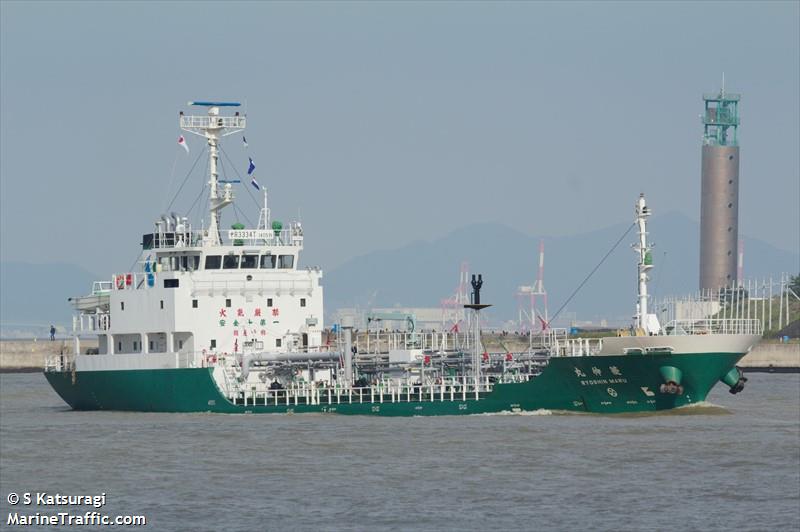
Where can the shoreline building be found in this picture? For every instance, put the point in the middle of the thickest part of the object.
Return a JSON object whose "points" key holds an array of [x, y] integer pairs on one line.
{"points": [[719, 208]]}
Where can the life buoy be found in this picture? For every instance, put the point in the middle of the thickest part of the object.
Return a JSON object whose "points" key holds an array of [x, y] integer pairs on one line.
{"points": [[129, 279], [120, 282], [211, 359]]}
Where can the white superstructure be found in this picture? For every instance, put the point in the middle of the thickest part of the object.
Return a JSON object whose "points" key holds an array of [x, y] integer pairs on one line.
{"points": [[199, 295]]}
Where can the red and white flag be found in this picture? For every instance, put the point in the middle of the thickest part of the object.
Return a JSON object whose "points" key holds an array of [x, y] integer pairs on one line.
{"points": [[182, 143]]}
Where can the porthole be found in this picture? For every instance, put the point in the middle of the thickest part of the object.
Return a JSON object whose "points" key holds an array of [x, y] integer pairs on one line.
{"points": [[730, 157], [730, 205]]}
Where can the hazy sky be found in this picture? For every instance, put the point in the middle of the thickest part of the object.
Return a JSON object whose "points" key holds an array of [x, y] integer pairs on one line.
{"points": [[383, 123]]}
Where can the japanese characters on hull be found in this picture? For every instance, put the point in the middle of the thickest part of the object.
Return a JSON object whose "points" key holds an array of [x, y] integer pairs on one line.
{"points": [[248, 324]]}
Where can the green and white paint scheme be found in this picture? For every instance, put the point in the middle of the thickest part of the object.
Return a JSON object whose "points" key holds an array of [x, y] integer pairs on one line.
{"points": [[225, 321]]}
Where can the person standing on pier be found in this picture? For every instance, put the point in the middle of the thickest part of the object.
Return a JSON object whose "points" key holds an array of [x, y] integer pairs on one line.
{"points": [[52, 332]]}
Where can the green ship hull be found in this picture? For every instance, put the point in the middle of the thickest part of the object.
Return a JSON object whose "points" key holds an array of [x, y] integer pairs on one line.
{"points": [[599, 384]]}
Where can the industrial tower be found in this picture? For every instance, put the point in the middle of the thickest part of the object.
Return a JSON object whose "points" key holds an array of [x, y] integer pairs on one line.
{"points": [[719, 207]]}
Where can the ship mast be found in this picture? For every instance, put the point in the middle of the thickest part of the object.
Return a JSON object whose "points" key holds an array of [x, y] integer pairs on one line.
{"points": [[213, 127], [645, 264], [476, 306]]}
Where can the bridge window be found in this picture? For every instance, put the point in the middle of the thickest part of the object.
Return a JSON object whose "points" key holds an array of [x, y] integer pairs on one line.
{"points": [[286, 261], [171, 283], [167, 263], [189, 262], [230, 262], [213, 262], [249, 261], [267, 261]]}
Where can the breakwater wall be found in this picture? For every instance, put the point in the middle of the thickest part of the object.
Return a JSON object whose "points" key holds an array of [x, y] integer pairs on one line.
{"points": [[767, 356], [30, 355]]}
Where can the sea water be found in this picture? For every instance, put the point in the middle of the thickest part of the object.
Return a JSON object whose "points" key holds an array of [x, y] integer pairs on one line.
{"points": [[730, 463]]}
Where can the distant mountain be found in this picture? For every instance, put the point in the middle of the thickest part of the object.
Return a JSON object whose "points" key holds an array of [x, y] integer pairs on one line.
{"points": [[36, 294], [421, 274]]}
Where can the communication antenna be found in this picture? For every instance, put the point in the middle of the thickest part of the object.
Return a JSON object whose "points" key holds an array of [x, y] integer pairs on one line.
{"points": [[213, 127]]}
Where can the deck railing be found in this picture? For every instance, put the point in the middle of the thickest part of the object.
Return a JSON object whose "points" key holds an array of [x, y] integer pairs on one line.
{"points": [[193, 238], [59, 362], [211, 122], [578, 347], [384, 341], [303, 393], [715, 326]]}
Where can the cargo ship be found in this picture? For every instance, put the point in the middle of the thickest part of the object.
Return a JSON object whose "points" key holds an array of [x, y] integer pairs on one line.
{"points": [[214, 320]]}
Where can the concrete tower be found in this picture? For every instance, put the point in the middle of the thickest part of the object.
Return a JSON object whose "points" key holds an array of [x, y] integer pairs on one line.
{"points": [[719, 207]]}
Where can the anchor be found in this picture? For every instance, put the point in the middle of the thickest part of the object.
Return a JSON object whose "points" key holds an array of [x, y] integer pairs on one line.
{"points": [[735, 379]]}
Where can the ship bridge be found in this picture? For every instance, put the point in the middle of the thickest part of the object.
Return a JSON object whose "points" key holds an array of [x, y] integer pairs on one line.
{"points": [[208, 291]]}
